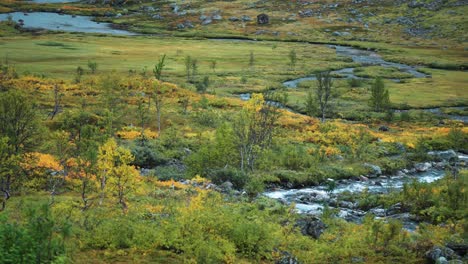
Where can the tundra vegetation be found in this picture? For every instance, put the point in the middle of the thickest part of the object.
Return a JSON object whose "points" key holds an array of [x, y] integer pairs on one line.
{"points": [[159, 147]]}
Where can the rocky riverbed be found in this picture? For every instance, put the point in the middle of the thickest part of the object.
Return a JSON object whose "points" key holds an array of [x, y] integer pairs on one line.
{"points": [[313, 200]]}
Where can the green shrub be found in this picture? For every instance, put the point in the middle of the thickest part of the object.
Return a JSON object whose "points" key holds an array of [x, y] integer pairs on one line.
{"points": [[39, 240], [165, 173], [146, 156], [353, 83], [236, 177], [254, 186], [253, 239]]}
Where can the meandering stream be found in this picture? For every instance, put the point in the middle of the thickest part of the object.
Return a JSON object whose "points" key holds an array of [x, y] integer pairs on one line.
{"points": [[364, 58], [85, 24]]}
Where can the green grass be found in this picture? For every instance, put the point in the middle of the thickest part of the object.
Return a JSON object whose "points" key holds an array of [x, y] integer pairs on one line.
{"points": [[58, 56]]}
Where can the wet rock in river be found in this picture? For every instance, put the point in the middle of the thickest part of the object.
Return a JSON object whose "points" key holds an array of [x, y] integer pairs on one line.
{"points": [[422, 167], [380, 212]]}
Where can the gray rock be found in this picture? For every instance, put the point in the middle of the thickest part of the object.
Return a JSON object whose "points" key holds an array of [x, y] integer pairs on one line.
{"points": [[188, 24], [246, 18], [306, 13], [148, 9], [175, 8], [263, 19], [380, 212], [286, 258], [358, 260], [203, 17], [180, 26], [217, 17], [395, 209], [400, 146], [311, 226], [422, 167], [157, 17], [459, 248], [234, 19], [456, 261], [375, 170], [207, 21], [384, 128], [437, 252], [442, 260], [341, 34], [445, 155], [227, 186]]}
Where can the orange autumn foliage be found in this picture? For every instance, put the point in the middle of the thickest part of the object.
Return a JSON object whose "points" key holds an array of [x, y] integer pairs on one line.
{"points": [[36, 160]]}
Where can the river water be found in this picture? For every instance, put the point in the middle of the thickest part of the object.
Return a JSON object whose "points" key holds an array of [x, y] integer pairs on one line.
{"points": [[364, 58], [313, 200]]}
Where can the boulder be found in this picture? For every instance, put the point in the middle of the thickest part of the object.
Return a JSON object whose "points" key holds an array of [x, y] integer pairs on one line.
{"points": [[226, 186], [286, 258], [460, 248], [157, 17], [395, 209], [442, 260], [234, 19], [375, 170], [380, 212], [207, 21], [384, 128], [263, 19], [422, 167], [437, 252], [341, 34], [148, 9], [445, 155], [246, 18], [363, 178], [306, 13], [217, 17], [311, 226]]}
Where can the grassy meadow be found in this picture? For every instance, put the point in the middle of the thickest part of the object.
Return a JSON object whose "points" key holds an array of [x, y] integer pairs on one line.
{"points": [[103, 160]]}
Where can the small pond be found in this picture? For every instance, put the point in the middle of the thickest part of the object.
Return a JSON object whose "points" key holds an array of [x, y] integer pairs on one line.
{"points": [[62, 22]]}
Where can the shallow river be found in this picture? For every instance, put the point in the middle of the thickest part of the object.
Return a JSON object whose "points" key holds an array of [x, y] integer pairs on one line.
{"points": [[312, 200]]}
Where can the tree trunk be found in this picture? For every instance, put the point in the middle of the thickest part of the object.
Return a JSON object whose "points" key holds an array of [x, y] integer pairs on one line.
{"points": [[103, 186]]}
